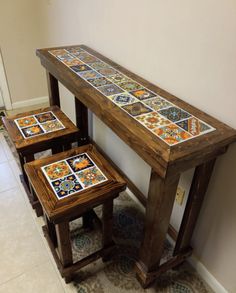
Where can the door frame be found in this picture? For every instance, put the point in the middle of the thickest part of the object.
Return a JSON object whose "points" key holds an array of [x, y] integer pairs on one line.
{"points": [[4, 86]]}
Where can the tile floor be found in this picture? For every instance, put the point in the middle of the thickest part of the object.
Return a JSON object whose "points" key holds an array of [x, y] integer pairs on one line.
{"points": [[26, 263]]}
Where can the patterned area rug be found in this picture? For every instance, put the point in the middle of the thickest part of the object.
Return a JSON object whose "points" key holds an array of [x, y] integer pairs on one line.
{"points": [[118, 275], [2, 114]]}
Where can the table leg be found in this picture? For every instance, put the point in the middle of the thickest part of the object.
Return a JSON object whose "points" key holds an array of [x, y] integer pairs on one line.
{"points": [[64, 246], [197, 192], [53, 90], [160, 202], [81, 112]]}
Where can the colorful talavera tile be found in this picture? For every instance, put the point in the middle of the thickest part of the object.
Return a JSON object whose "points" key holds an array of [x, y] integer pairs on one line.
{"points": [[65, 57], [109, 90], [143, 94], [136, 109], [174, 114], [80, 68], [123, 99], [99, 65], [58, 52], [46, 116], [130, 85], [50, 126], [89, 74], [57, 170], [194, 126], [157, 103], [91, 176], [99, 81], [66, 186], [118, 78], [172, 134], [152, 120], [107, 71], [74, 50], [87, 58], [26, 121], [72, 62], [80, 162], [32, 131]]}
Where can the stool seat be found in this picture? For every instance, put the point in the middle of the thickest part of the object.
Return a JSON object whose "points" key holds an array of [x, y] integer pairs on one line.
{"points": [[69, 185], [36, 131], [33, 129]]}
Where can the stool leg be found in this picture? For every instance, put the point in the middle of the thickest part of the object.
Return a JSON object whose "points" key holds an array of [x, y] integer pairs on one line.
{"points": [[57, 149], [66, 147], [64, 246], [36, 205], [51, 230], [107, 223], [22, 162]]}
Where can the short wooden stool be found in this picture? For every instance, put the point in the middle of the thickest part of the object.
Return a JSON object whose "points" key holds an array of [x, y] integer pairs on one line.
{"points": [[69, 185], [37, 131]]}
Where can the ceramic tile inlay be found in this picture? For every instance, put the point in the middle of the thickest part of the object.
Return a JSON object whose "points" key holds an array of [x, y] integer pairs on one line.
{"points": [[123, 99], [152, 120], [172, 134], [140, 103], [91, 176], [109, 90], [38, 124], [96, 82], [194, 126], [157, 103], [136, 109], [143, 94], [174, 114], [73, 175]]}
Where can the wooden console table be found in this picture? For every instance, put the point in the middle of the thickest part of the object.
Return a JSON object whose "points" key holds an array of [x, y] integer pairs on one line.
{"points": [[168, 133]]}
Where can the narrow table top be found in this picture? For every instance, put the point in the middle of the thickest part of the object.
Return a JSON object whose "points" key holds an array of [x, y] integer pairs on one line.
{"points": [[168, 133]]}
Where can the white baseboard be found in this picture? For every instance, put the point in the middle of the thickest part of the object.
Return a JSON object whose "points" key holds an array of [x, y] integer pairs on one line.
{"points": [[30, 102], [206, 275]]}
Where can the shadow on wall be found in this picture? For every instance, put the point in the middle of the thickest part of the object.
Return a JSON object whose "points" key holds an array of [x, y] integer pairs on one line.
{"points": [[217, 219]]}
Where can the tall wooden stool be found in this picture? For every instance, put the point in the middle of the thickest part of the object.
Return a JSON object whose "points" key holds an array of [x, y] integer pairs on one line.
{"points": [[37, 131], [69, 185]]}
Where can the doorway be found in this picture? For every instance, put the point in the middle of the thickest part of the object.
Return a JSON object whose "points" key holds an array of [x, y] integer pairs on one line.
{"points": [[5, 100]]}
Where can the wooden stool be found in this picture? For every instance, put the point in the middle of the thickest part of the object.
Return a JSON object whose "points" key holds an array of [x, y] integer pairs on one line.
{"points": [[69, 185], [36, 131]]}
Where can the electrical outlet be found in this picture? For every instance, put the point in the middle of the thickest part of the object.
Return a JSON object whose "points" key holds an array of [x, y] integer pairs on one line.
{"points": [[179, 198]]}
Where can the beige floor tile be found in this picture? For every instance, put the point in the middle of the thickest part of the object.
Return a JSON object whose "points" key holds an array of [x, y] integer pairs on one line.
{"points": [[7, 150], [26, 109], [21, 249], [41, 279], [13, 208], [7, 178], [3, 157]]}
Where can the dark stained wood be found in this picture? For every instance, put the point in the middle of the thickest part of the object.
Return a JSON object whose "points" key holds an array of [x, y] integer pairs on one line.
{"points": [[154, 151], [59, 213], [158, 211], [41, 142], [51, 231], [167, 162], [86, 199], [27, 148], [147, 278], [53, 90], [82, 121], [64, 244], [197, 192]]}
